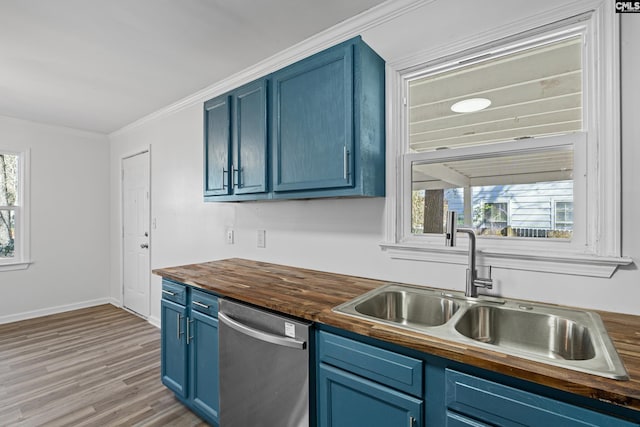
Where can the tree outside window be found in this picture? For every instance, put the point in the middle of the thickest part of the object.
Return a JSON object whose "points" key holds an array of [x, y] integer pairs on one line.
{"points": [[8, 203]]}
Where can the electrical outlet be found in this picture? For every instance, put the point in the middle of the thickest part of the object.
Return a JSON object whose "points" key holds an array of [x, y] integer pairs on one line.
{"points": [[229, 236], [261, 238]]}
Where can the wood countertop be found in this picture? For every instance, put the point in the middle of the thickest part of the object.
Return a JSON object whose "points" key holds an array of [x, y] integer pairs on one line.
{"points": [[312, 294]]}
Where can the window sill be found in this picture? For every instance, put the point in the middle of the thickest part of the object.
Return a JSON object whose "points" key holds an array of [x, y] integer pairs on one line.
{"points": [[576, 264], [16, 265]]}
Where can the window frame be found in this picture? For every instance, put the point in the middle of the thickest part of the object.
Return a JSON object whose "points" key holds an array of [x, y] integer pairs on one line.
{"points": [[599, 252], [21, 259], [434, 242]]}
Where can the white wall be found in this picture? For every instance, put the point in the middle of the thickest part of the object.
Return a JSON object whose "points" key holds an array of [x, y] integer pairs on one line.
{"points": [[69, 184], [342, 235]]}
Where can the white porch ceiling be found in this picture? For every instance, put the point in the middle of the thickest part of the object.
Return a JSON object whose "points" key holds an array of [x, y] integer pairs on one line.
{"points": [[533, 93], [536, 92], [100, 65]]}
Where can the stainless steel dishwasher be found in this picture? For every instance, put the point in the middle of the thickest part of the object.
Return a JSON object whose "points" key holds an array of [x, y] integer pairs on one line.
{"points": [[264, 368]]}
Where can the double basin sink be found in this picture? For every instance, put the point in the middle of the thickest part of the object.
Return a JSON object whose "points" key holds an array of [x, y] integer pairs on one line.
{"points": [[572, 339]]}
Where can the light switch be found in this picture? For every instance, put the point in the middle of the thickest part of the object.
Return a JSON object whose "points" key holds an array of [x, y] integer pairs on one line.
{"points": [[261, 238]]}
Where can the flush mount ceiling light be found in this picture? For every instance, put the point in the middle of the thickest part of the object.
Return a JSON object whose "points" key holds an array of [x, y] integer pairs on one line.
{"points": [[470, 105]]}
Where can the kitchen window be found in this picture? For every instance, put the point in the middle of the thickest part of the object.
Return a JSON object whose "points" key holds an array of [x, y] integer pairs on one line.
{"points": [[520, 136], [13, 211]]}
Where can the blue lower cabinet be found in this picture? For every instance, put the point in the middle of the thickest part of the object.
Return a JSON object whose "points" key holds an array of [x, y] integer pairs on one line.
{"points": [[189, 350], [204, 363], [501, 405], [347, 400], [366, 383], [174, 347]]}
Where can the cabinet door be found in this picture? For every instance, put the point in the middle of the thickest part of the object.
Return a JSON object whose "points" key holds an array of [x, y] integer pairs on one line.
{"points": [[250, 138], [346, 400], [217, 146], [501, 405], [204, 364], [312, 116], [174, 347]]}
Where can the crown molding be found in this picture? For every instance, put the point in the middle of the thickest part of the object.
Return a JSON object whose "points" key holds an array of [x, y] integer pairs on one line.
{"points": [[344, 30]]}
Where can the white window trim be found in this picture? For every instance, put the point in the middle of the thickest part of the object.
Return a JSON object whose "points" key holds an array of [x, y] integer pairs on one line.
{"points": [[21, 260], [602, 252]]}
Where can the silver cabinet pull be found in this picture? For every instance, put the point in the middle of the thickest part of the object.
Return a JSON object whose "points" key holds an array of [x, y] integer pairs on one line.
{"points": [[199, 304], [261, 335], [237, 172], [189, 337], [412, 422], [224, 182], [234, 171], [179, 328], [346, 162], [166, 292]]}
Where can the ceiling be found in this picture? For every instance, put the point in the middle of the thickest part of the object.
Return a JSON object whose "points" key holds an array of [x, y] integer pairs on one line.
{"points": [[100, 65], [533, 92]]}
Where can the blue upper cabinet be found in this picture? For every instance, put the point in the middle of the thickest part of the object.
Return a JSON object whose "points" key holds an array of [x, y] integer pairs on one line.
{"points": [[312, 129], [313, 122], [217, 147], [235, 149], [250, 138], [327, 124]]}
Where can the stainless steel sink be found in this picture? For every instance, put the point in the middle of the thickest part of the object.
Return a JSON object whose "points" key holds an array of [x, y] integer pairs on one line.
{"points": [[413, 308], [546, 335], [572, 339], [408, 308]]}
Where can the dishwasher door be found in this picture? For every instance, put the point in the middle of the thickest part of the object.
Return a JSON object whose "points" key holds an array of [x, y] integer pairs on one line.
{"points": [[264, 368]]}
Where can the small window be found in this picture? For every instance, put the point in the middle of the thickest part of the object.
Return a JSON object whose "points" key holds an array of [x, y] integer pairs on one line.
{"points": [[13, 225], [493, 218], [564, 216], [8, 204]]}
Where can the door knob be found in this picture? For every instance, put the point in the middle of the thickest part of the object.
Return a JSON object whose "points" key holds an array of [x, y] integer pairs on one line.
{"points": [[144, 246]]}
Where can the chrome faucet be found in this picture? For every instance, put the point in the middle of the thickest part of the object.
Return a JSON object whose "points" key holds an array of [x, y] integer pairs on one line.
{"points": [[473, 281]]}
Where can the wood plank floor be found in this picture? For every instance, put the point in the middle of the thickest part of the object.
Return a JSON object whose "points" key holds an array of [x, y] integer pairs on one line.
{"points": [[98, 366]]}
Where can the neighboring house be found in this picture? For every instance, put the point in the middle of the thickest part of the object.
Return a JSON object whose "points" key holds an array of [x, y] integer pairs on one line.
{"points": [[529, 210], [523, 210]]}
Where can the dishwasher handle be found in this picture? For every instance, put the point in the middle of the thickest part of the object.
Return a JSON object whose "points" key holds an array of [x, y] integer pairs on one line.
{"points": [[261, 335]]}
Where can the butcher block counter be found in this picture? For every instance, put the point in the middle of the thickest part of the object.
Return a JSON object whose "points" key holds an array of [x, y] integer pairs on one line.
{"points": [[311, 295]]}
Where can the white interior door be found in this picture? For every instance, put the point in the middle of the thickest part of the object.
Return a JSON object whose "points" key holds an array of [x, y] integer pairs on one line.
{"points": [[135, 218]]}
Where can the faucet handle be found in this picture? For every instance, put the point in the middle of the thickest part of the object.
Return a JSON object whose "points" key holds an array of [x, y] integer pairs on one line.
{"points": [[484, 282]]}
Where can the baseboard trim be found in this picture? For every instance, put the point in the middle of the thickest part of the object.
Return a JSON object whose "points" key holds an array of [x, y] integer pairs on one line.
{"points": [[54, 310], [154, 321]]}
